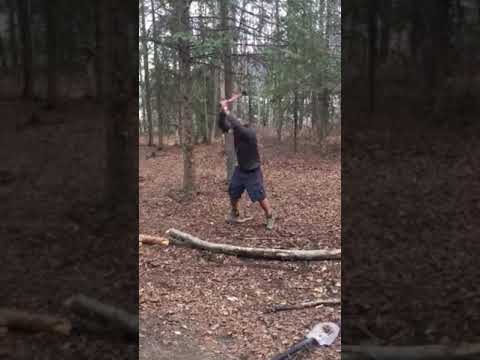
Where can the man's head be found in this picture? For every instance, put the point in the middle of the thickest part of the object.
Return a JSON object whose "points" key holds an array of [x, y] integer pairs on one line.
{"points": [[224, 124]]}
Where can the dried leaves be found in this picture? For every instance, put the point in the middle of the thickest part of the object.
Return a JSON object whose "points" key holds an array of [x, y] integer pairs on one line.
{"points": [[220, 300]]}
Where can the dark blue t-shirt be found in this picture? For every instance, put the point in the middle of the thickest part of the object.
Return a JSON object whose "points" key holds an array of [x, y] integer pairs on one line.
{"points": [[246, 146]]}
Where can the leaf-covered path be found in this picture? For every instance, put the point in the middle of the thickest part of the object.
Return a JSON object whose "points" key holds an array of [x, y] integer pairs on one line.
{"points": [[218, 302]]}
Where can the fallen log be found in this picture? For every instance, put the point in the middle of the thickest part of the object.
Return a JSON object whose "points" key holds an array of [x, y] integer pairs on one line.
{"points": [[183, 239], [430, 352], [304, 305], [127, 323], [25, 321], [152, 240]]}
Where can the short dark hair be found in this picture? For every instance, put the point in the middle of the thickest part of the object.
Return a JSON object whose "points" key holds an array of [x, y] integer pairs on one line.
{"points": [[222, 122]]}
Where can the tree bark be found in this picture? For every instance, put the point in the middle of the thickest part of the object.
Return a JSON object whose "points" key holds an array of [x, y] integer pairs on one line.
{"points": [[122, 114], [214, 104], [27, 51], [102, 50], [278, 117], [144, 114], [295, 121], [182, 12], [158, 80], [316, 118], [12, 33], [206, 120], [324, 114], [146, 74], [52, 92], [372, 37], [3, 54], [183, 239], [228, 78], [385, 30]]}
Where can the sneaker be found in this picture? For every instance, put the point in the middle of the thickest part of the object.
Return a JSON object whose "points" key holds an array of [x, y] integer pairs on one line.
{"points": [[233, 217], [270, 223]]}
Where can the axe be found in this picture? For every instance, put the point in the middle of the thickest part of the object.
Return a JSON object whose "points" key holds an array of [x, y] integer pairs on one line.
{"points": [[322, 334], [224, 103]]}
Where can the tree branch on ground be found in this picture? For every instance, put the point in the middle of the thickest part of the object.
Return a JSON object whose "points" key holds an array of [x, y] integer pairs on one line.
{"points": [[83, 305], [32, 322], [152, 240], [304, 305], [183, 239]]}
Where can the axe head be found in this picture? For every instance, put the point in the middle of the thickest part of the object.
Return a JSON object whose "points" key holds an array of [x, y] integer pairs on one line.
{"points": [[324, 333]]}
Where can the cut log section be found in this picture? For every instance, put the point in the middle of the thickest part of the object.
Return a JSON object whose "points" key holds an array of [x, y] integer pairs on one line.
{"points": [[304, 305], [183, 239], [430, 352], [24, 321], [152, 240], [122, 320]]}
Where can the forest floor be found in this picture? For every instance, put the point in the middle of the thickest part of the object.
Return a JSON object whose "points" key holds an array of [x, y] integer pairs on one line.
{"points": [[411, 200], [202, 306], [55, 239]]}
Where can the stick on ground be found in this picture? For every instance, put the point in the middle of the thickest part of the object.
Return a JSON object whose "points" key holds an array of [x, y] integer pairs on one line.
{"points": [[304, 305], [183, 239], [152, 240], [25, 321], [80, 304]]}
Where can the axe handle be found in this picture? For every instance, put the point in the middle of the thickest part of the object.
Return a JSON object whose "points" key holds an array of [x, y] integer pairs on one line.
{"points": [[234, 97], [295, 348]]}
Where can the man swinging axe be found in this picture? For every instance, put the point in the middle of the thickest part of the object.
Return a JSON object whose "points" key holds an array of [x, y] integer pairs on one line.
{"points": [[248, 174]]}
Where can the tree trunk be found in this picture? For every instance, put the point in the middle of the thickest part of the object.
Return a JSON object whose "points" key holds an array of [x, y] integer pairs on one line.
{"points": [[228, 77], [277, 101], [206, 122], [316, 120], [251, 119], [301, 112], [52, 92], [12, 33], [267, 114], [277, 111], [372, 37], [295, 121], [415, 32], [148, 105], [144, 113], [182, 12], [102, 74], [216, 82], [27, 51], [122, 116], [3, 54], [438, 56], [325, 113], [158, 95], [385, 31]]}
